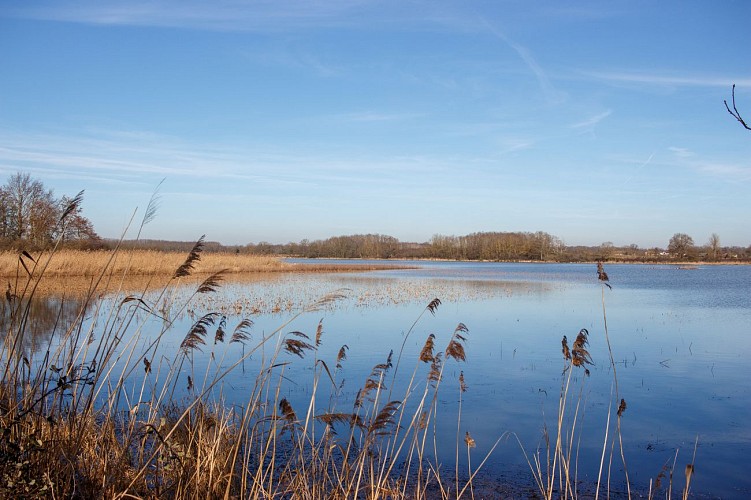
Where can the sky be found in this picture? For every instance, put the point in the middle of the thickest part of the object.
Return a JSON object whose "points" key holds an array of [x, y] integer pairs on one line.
{"points": [[284, 120]]}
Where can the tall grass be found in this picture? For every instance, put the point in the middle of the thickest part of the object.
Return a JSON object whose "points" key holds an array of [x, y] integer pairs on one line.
{"points": [[555, 466], [69, 262], [100, 412]]}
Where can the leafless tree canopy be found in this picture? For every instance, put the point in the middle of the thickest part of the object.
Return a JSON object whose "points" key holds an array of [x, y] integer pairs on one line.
{"points": [[31, 216]]}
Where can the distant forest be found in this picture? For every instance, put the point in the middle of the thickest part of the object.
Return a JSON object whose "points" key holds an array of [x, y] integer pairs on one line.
{"points": [[32, 218], [487, 246]]}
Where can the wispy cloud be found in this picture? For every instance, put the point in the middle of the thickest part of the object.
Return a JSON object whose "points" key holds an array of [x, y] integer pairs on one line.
{"points": [[728, 172], [592, 120], [681, 152], [684, 80], [217, 15], [731, 172], [373, 116], [551, 94], [140, 158]]}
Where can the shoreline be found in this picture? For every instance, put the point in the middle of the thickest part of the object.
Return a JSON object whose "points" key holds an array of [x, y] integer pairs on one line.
{"points": [[81, 272]]}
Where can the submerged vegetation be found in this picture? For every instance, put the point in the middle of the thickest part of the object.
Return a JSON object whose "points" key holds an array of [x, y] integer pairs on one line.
{"points": [[100, 412]]}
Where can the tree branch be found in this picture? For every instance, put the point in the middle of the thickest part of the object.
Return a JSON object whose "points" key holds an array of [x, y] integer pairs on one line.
{"points": [[735, 112]]}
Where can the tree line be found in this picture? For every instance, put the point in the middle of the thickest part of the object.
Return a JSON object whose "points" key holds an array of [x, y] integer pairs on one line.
{"points": [[31, 217], [500, 246]]}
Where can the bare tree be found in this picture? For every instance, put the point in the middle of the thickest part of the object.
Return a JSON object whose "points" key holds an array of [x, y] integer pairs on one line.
{"points": [[30, 214], [714, 245], [681, 245], [735, 113], [30, 210]]}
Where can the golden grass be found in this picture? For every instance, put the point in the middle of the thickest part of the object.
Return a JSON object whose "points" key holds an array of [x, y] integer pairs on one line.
{"points": [[76, 424], [137, 262], [75, 271]]}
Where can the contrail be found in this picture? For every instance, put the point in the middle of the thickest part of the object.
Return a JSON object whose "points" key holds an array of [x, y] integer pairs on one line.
{"points": [[639, 169]]}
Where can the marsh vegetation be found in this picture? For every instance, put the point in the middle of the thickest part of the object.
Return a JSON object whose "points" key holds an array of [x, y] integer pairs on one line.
{"points": [[191, 389]]}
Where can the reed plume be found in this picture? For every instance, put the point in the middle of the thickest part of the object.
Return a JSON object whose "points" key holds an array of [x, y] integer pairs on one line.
{"points": [[435, 373], [621, 407], [288, 414], [73, 205], [579, 354], [455, 349], [602, 275], [426, 354], [433, 305], [212, 283], [341, 356], [384, 418], [242, 331], [186, 268], [351, 419], [469, 440], [319, 333], [219, 334], [297, 345], [196, 336]]}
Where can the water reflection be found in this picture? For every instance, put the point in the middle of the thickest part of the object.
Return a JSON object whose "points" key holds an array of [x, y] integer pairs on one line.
{"points": [[38, 320]]}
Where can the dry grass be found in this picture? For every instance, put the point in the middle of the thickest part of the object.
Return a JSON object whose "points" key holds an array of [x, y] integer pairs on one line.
{"points": [[67, 263], [75, 271], [75, 424]]}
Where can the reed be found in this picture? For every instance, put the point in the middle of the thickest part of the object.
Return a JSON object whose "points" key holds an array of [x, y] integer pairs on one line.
{"points": [[555, 466], [101, 412], [96, 413]]}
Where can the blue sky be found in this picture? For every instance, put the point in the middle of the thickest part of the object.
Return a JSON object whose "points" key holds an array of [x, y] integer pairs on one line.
{"points": [[278, 120]]}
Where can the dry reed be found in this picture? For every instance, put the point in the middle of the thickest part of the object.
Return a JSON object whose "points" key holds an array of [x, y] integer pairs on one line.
{"points": [[76, 421]]}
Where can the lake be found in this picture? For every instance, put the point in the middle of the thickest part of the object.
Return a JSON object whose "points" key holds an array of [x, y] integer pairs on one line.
{"points": [[680, 340]]}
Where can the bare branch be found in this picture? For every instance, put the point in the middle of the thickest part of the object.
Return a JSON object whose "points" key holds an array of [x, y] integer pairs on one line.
{"points": [[735, 112]]}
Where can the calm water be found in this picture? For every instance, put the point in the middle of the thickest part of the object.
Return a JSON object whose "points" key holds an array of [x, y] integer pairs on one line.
{"points": [[680, 338]]}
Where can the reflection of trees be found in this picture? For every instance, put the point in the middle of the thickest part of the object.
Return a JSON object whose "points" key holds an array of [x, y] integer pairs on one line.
{"points": [[43, 317]]}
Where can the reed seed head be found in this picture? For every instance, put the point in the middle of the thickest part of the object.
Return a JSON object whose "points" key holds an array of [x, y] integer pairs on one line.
{"points": [[241, 333], [342, 355], [433, 305], [455, 349], [462, 383], [193, 257], [621, 407], [579, 354], [297, 346], [602, 275], [426, 354], [469, 440]]}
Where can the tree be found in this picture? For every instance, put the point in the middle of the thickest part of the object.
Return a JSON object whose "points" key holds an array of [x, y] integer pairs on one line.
{"points": [[30, 215], [75, 227], [681, 245], [607, 249], [714, 245], [30, 210]]}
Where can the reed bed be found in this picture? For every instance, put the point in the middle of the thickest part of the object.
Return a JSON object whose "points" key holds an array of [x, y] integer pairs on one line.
{"points": [[73, 271], [102, 412], [99, 413], [69, 263]]}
